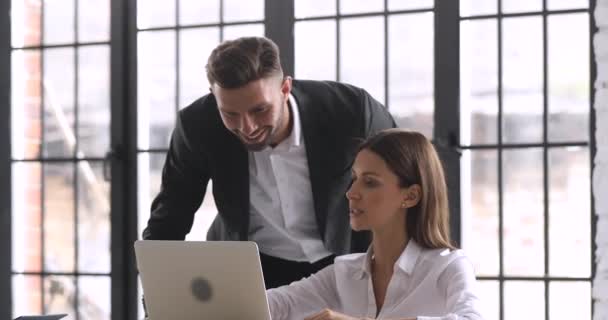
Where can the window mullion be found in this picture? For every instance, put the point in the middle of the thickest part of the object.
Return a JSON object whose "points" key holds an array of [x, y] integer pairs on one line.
{"points": [[446, 128], [279, 26], [5, 165]]}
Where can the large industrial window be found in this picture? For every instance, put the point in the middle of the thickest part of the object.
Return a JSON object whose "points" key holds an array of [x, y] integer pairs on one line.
{"points": [[525, 172], [182, 34], [60, 134]]}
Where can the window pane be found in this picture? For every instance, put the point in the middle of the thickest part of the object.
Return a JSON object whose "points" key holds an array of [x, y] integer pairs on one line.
{"points": [[204, 217], [25, 104], [27, 297], [411, 76], [245, 30], [394, 5], [58, 21], [59, 293], [567, 4], [511, 6], [94, 298], [568, 64], [478, 7], [93, 218], [199, 12], [524, 299], [195, 47], [26, 217], [239, 10], [570, 300], [479, 194], [522, 79], [59, 102], [313, 8], [58, 217], [25, 23], [488, 292], [363, 66], [155, 13], [523, 212], [315, 50], [156, 88], [93, 20], [478, 82], [149, 167], [94, 100], [569, 212], [359, 6]]}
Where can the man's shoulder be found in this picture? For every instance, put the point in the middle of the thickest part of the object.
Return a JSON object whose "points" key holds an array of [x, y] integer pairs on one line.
{"points": [[201, 113], [202, 105]]}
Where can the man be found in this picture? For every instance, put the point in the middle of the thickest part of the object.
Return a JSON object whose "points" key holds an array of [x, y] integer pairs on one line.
{"points": [[279, 152]]}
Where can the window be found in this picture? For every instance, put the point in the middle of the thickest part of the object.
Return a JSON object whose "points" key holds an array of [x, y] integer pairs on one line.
{"points": [[182, 34], [525, 105], [369, 44], [60, 134]]}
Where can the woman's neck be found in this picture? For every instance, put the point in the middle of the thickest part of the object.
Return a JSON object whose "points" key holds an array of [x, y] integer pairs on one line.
{"points": [[388, 246]]}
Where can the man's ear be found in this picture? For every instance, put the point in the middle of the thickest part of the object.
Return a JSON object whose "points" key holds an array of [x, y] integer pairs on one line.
{"points": [[286, 85], [411, 196]]}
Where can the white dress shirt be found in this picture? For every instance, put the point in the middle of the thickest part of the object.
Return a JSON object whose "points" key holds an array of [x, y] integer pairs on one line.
{"points": [[282, 220], [426, 284]]}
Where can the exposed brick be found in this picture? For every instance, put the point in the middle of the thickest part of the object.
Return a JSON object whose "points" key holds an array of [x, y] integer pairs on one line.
{"points": [[600, 172]]}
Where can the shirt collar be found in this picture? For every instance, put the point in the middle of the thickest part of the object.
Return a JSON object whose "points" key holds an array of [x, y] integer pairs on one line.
{"points": [[406, 262], [295, 138]]}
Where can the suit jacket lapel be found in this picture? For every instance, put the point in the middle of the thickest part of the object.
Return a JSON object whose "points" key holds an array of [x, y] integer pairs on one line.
{"points": [[315, 151]]}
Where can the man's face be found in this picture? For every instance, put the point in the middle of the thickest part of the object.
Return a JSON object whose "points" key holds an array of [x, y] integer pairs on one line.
{"points": [[257, 113]]}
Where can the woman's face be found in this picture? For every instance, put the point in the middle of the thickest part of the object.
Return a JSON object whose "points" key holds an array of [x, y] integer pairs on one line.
{"points": [[375, 198]]}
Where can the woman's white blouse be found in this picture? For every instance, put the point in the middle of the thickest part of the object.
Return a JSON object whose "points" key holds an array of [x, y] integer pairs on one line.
{"points": [[427, 284]]}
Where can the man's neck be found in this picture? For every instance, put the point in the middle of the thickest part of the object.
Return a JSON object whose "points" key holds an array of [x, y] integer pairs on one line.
{"points": [[286, 126]]}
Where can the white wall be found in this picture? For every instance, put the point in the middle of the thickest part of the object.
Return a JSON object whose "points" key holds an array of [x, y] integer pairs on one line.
{"points": [[600, 174]]}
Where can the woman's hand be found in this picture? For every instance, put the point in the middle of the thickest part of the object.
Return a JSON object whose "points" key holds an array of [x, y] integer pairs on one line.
{"points": [[327, 314]]}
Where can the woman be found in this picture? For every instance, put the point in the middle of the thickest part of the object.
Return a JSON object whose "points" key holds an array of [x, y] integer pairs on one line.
{"points": [[411, 270]]}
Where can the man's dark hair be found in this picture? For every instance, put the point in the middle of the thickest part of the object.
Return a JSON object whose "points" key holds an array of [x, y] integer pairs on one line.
{"points": [[235, 63]]}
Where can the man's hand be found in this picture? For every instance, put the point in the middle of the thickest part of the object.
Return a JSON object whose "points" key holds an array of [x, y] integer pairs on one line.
{"points": [[327, 314]]}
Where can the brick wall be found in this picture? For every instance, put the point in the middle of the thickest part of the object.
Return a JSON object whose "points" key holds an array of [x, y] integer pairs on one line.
{"points": [[600, 173]]}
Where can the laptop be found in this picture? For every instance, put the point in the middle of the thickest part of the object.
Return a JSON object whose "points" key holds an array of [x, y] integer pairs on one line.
{"points": [[202, 280], [45, 317]]}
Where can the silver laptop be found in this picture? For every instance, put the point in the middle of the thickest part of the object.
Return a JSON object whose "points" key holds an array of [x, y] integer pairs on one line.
{"points": [[202, 280]]}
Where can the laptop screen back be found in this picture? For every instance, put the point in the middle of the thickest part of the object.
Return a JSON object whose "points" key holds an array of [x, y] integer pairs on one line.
{"points": [[194, 280]]}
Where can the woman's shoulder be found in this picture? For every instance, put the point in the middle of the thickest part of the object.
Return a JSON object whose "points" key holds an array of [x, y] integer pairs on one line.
{"points": [[350, 259], [442, 258]]}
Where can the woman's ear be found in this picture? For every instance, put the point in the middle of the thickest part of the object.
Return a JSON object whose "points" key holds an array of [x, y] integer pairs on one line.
{"points": [[411, 196]]}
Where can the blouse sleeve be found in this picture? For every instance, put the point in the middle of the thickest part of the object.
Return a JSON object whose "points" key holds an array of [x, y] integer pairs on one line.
{"points": [[304, 297], [458, 282]]}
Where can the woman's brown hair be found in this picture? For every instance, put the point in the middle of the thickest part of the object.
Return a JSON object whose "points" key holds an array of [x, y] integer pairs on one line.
{"points": [[412, 157]]}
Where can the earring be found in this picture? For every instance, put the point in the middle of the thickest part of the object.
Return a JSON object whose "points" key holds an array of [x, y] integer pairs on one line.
{"points": [[403, 205]]}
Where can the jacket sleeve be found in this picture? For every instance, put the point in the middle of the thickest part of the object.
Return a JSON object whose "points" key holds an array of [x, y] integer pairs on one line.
{"points": [[377, 116], [184, 182]]}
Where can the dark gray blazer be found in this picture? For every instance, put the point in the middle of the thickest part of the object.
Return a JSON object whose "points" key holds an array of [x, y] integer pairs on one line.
{"points": [[335, 118]]}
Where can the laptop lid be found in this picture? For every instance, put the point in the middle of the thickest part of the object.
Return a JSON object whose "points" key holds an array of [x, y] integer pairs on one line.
{"points": [[45, 317], [209, 279]]}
